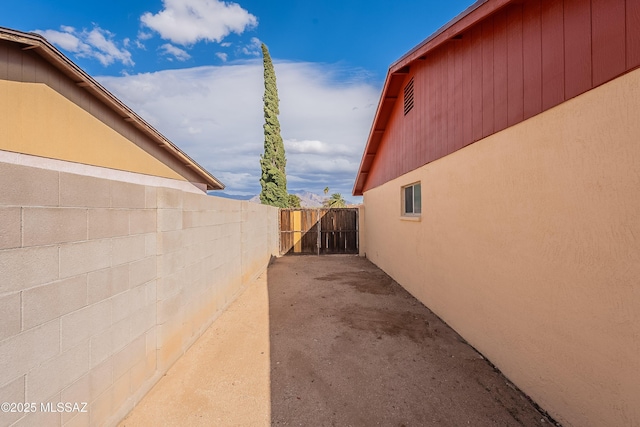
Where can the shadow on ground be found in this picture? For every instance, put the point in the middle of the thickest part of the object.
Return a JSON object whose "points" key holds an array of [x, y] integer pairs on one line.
{"points": [[349, 346]]}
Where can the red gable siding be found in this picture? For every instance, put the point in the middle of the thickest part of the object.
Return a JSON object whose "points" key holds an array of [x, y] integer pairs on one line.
{"points": [[522, 59]]}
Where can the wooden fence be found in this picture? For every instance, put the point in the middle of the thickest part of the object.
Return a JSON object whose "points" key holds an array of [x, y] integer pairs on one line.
{"points": [[319, 231]]}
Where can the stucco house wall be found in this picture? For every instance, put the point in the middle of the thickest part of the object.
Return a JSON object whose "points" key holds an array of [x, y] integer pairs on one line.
{"points": [[519, 119], [50, 108], [527, 245]]}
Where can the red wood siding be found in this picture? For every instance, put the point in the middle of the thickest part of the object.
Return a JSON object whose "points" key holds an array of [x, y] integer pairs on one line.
{"points": [[532, 57], [515, 87], [487, 77], [633, 36], [577, 52], [525, 58], [500, 76], [608, 46], [552, 54], [476, 83]]}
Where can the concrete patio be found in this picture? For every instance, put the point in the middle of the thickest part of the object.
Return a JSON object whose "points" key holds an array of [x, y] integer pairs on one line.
{"points": [[332, 341]]}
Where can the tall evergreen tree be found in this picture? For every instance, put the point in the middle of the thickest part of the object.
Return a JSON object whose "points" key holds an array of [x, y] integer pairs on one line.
{"points": [[294, 201], [273, 161]]}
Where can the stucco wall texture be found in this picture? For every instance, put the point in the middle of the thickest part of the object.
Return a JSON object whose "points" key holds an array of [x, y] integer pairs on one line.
{"points": [[529, 246], [104, 284], [32, 115]]}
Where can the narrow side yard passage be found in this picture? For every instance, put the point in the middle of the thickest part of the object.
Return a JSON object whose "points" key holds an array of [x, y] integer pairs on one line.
{"points": [[223, 378], [331, 341], [350, 347]]}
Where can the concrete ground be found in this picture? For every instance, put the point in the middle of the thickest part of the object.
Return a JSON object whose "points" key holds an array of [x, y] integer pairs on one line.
{"points": [[332, 341]]}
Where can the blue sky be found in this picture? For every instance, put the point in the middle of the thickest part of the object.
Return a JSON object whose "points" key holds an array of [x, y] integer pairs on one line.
{"points": [[193, 69]]}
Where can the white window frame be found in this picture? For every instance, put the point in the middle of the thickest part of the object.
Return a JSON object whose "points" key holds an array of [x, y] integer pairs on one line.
{"points": [[415, 209]]}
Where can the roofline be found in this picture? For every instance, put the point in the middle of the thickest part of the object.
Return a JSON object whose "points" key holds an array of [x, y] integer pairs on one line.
{"points": [[419, 50], [469, 17], [82, 79]]}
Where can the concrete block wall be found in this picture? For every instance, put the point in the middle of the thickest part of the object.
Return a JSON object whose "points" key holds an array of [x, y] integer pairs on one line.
{"points": [[209, 248], [104, 284]]}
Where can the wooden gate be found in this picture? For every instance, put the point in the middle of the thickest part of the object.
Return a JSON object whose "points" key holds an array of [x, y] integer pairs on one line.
{"points": [[319, 231]]}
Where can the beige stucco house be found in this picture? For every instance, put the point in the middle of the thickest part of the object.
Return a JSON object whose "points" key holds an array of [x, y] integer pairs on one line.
{"points": [[501, 183], [52, 109]]}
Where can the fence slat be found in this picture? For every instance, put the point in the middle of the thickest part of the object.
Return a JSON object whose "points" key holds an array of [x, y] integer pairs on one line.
{"points": [[319, 231]]}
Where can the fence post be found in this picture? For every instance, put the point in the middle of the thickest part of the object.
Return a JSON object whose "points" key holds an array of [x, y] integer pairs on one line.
{"points": [[358, 231], [319, 226]]}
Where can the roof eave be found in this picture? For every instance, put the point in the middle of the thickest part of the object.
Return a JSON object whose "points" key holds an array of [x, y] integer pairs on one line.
{"points": [[82, 79], [470, 16]]}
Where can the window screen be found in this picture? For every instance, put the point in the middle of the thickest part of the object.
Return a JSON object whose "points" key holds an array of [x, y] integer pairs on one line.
{"points": [[412, 199]]}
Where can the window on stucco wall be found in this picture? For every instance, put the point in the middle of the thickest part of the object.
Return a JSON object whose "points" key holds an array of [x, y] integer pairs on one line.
{"points": [[412, 200]]}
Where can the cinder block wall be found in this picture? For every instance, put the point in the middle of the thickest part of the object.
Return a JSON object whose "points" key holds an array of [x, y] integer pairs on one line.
{"points": [[104, 284]]}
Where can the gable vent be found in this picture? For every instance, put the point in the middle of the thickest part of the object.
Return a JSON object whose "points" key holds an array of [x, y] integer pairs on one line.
{"points": [[408, 97]]}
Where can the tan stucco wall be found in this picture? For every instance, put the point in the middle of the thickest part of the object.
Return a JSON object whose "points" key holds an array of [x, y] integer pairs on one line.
{"points": [[362, 236], [106, 283], [37, 120], [529, 246]]}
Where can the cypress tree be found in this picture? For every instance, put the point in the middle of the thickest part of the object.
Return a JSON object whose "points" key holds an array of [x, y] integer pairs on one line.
{"points": [[273, 161]]}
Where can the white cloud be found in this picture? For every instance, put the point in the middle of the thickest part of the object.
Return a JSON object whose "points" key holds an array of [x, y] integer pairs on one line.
{"points": [[64, 39], [186, 22], [144, 35], [253, 48], [215, 114], [303, 147], [190, 127], [176, 52], [96, 43], [222, 56], [105, 48], [314, 147]]}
